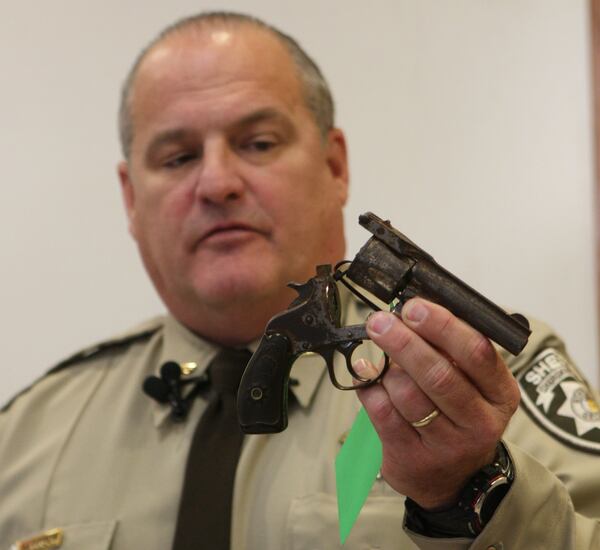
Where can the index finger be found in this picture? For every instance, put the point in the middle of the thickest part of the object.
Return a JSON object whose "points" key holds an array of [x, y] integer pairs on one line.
{"points": [[449, 389], [472, 352]]}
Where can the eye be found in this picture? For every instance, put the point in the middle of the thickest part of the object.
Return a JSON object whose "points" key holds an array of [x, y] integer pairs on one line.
{"points": [[260, 144], [179, 160]]}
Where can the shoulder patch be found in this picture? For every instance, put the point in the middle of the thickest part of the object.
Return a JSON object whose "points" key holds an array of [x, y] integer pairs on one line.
{"points": [[555, 395]]}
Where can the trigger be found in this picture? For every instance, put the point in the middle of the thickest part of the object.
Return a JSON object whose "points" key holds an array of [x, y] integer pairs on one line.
{"points": [[348, 349]]}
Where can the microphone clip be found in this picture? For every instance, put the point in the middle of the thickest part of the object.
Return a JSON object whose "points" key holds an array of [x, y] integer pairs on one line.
{"points": [[168, 389]]}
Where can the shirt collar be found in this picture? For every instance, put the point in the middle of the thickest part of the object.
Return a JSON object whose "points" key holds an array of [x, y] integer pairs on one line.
{"points": [[186, 348]]}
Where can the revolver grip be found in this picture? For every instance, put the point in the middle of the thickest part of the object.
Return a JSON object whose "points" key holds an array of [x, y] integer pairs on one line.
{"points": [[263, 391]]}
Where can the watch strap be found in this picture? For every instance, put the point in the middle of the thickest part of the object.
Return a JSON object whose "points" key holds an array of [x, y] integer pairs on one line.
{"points": [[477, 503]]}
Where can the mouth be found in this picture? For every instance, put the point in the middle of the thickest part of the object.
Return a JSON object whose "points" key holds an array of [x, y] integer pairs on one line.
{"points": [[228, 232]]}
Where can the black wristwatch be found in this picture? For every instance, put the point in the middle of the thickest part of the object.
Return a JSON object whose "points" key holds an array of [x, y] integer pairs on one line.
{"points": [[477, 503]]}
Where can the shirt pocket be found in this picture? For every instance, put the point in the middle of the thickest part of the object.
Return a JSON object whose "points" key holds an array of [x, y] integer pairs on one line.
{"points": [[312, 524], [94, 535]]}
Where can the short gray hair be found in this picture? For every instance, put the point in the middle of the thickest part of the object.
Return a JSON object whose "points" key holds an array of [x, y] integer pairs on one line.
{"points": [[317, 94]]}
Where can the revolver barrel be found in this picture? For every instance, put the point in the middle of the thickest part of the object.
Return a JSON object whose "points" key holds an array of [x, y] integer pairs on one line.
{"points": [[391, 266]]}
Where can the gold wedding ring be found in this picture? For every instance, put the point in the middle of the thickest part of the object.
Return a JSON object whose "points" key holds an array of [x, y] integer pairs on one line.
{"points": [[425, 421]]}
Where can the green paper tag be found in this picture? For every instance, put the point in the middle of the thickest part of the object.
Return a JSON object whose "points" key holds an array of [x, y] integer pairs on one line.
{"points": [[356, 468]]}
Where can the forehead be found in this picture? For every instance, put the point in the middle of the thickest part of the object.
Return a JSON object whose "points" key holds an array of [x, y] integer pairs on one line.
{"points": [[217, 63]]}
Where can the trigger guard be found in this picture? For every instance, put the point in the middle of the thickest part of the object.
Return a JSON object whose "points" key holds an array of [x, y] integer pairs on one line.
{"points": [[386, 366], [347, 350]]}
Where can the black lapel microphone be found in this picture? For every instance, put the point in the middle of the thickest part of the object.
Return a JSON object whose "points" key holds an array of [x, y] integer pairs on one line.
{"points": [[168, 389]]}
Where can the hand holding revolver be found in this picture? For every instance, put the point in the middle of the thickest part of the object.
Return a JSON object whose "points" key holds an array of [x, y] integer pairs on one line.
{"points": [[390, 268], [442, 406]]}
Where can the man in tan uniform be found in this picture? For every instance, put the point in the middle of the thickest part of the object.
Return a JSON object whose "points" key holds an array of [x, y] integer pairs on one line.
{"points": [[234, 180]]}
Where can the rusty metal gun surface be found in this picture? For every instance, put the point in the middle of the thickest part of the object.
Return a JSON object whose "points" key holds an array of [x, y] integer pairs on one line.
{"points": [[391, 268]]}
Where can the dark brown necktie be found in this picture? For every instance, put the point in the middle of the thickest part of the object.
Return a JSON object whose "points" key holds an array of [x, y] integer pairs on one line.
{"points": [[204, 519]]}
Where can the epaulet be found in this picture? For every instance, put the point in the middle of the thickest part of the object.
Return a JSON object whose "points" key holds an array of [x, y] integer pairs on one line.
{"points": [[140, 332], [124, 339]]}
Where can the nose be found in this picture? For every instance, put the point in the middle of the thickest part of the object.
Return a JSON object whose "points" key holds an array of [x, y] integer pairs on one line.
{"points": [[219, 181]]}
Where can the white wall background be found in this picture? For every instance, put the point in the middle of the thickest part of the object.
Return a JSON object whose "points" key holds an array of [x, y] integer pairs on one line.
{"points": [[469, 126]]}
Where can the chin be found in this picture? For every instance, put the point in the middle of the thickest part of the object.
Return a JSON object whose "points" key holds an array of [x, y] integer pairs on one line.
{"points": [[221, 290]]}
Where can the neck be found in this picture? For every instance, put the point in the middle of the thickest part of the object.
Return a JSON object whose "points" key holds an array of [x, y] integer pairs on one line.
{"points": [[237, 324]]}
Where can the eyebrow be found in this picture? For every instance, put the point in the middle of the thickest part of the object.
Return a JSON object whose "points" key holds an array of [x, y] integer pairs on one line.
{"points": [[262, 114]]}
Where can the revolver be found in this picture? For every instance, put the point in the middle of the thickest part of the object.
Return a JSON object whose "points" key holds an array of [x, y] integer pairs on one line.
{"points": [[390, 268]]}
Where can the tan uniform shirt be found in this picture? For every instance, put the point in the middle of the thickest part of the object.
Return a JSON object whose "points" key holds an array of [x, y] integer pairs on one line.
{"points": [[86, 451]]}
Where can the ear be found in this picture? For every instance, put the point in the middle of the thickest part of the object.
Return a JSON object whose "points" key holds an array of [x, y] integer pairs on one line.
{"points": [[337, 161], [128, 194]]}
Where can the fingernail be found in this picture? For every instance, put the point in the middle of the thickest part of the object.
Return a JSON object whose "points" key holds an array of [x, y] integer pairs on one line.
{"points": [[380, 323], [363, 369], [415, 311]]}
